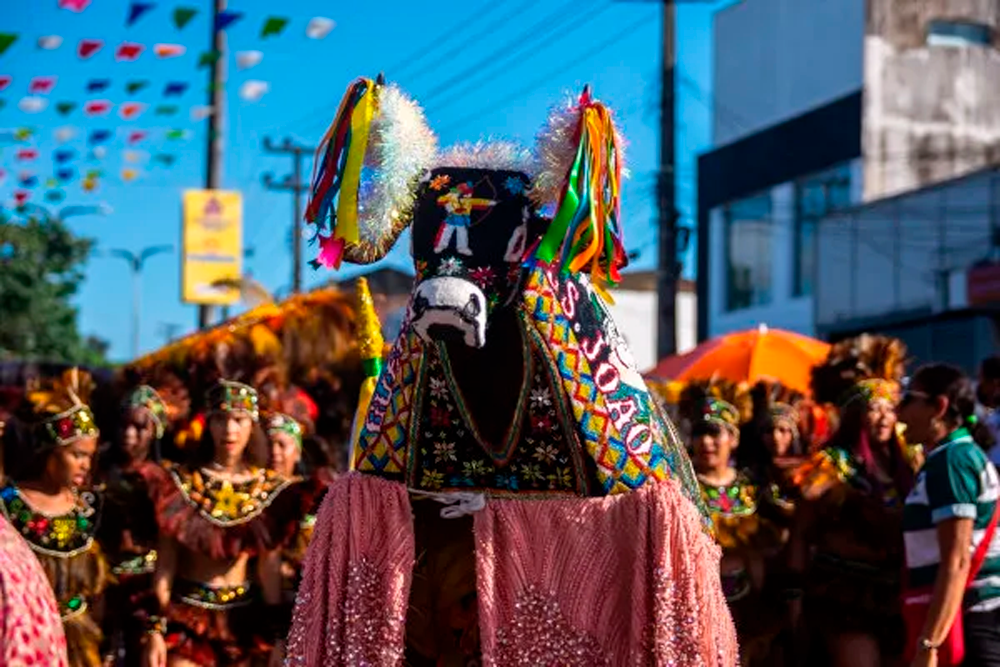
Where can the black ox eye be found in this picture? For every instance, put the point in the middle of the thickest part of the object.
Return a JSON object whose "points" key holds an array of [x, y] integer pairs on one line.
{"points": [[472, 308]]}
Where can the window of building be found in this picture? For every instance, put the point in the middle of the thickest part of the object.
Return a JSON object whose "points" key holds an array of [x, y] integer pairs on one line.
{"points": [[749, 238], [941, 32], [816, 197]]}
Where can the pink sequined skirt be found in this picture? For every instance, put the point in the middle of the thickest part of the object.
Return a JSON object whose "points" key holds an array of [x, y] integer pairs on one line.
{"points": [[583, 582]]}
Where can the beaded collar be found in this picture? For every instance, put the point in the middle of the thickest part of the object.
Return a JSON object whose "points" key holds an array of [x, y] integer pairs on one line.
{"points": [[738, 498], [63, 535], [226, 503]]}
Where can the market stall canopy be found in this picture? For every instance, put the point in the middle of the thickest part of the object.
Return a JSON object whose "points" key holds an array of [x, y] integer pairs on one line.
{"points": [[748, 356]]}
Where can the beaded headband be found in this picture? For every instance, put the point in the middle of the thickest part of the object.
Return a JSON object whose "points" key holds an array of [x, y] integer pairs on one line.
{"points": [[228, 397], [281, 423], [67, 427], [873, 390], [717, 411], [785, 413], [146, 398]]}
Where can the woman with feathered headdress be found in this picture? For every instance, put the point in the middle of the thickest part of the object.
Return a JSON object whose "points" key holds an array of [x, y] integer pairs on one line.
{"points": [[739, 502], [852, 498], [49, 458]]}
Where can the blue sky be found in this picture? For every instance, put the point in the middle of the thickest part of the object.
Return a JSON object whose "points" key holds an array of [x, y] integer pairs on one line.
{"points": [[306, 79]]}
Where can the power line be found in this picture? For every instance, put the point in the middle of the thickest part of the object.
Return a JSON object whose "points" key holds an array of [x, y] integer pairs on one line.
{"points": [[544, 79], [473, 76]]}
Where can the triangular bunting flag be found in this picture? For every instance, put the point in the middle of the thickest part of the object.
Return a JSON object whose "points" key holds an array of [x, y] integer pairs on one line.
{"points": [[64, 134], [99, 136], [6, 39], [32, 104], [136, 10], [65, 108], [95, 173], [55, 196], [97, 107], [165, 159], [273, 26], [89, 47], [98, 153], [5, 81], [168, 50], [128, 52], [89, 185], [3, 176], [226, 18], [252, 91], [63, 156], [166, 110], [248, 59], [134, 157], [98, 85], [136, 136], [176, 135], [21, 197], [319, 27], [208, 58], [129, 175], [42, 84], [183, 16], [65, 174], [50, 42], [133, 87], [131, 110], [27, 154], [23, 133], [27, 179], [200, 113], [74, 5], [174, 88]]}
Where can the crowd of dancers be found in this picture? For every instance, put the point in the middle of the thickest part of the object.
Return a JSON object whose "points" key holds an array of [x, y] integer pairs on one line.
{"points": [[830, 515], [195, 558]]}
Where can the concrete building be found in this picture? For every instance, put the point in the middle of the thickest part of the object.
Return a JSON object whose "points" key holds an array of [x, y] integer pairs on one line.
{"points": [[820, 106], [921, 266]]}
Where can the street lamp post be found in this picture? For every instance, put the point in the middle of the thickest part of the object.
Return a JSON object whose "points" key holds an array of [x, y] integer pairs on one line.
{"points": [[68, 211], [136, 262]]}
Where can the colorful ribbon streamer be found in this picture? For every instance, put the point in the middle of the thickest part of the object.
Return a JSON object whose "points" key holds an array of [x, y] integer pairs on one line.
{"points": [[585, 233], [337, 174]]}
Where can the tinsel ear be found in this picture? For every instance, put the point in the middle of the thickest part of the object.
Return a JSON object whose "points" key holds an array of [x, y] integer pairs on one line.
{"points": [[366, 172], [580, 171], [58, 394]]}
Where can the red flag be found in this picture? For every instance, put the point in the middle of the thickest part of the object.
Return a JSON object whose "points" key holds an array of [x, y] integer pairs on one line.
{"points": [[168, 50], [5, 81], [97, 107], [128, 51], [27, 154], [136, 137], [131, 110], [21, 197], [89, 47], [42, 84]]}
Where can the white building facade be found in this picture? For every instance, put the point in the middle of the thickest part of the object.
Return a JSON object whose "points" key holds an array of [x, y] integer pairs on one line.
{"points": [[815, 112]]}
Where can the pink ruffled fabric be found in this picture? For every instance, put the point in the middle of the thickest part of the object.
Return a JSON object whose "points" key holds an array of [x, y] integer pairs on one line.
{"points": [[351, 606], [31, 632], [630, 579], [624, 580]]}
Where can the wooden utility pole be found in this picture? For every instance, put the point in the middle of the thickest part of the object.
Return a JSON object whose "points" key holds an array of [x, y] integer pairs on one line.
{"points": [[216, 101], [666, 283], [291, 183]]}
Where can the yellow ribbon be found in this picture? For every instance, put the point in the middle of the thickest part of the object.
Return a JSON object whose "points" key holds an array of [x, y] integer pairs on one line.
{"points": [[347, 206]]}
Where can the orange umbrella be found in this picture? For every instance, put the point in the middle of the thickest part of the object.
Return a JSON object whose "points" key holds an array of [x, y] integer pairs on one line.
{"points": [[749, 356]]}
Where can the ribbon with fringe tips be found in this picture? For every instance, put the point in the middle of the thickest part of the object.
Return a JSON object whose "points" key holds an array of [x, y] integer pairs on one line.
{"points": [[337, 174], [585, 234]]}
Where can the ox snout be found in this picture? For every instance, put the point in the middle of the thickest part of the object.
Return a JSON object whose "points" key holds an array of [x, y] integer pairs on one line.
{"points": [[449, 308]]}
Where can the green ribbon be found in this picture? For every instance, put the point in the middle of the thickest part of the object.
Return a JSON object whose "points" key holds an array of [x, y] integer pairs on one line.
{"points": [[556, 233], [372, 367]]}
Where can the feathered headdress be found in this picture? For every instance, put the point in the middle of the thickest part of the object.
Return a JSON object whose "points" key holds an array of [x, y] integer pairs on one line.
{"points": [[852, 361], [60, 404], [718, 400]]}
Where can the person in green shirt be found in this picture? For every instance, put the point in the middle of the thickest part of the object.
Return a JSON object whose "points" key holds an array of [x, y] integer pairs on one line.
{"points": [[948, 515]]}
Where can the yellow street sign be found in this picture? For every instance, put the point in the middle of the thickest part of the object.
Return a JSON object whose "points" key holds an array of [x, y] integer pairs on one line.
{"points": [[212, 246]]}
